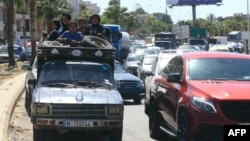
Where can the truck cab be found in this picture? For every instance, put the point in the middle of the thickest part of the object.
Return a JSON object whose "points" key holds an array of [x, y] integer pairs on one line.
{"points": [[165, 40], [200, 43]]}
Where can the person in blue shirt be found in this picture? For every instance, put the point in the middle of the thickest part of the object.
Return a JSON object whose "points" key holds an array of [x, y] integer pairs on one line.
{"points": [[64, 22], [71, 37]]}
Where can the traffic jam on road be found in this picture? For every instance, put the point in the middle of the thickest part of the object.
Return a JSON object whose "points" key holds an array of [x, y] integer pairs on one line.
{"points": [[185, 95]]}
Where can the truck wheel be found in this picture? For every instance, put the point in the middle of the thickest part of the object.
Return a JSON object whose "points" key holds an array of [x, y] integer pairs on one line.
{"points": [[27, 103], [137, 101], [93, 41], [38, 135], [26, 99], [116, 135]]}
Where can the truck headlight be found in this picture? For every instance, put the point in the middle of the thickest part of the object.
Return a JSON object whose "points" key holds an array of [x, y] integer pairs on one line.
{"points": [[114, 110], [203, 104], [40, 109]]}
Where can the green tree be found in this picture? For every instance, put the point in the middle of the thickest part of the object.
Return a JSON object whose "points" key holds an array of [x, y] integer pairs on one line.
{"points": [[86, 13], [211, 17], [115, 11], [8, 28], [130, 22], [140, 10], [47, 10]]}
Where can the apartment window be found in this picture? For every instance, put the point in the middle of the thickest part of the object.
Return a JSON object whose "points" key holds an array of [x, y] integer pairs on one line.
{"points": [[1, 11], [18, 26], [27, 24]]}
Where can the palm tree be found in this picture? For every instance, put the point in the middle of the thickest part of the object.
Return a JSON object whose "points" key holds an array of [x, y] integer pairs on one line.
{"points": [[32, 12], [130, 22], [115, 11], [86, 13], [8, 28], [211, 17], [47, 10]]}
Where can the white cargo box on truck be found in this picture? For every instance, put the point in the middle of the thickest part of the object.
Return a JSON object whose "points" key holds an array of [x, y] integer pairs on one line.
{"points": [[221, 40]]}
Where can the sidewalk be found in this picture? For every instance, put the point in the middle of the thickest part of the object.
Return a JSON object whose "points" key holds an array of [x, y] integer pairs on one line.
{"points": [[10, 91]]}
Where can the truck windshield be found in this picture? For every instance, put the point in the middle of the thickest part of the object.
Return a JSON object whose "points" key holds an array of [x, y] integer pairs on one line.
{"points": [[165, 45], [197, 42], [70, 72]]}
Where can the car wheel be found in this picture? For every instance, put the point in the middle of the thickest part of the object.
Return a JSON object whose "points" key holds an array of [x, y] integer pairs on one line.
{"points": [[154, 123], [146, 108], [137, 101], [183, 126], [93, 41], [38, 135], [147, 103], [116, 135]]}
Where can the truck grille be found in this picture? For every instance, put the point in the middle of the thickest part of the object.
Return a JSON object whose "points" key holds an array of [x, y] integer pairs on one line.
{"points": [[238, 111], [78, 111], [127, 84]]}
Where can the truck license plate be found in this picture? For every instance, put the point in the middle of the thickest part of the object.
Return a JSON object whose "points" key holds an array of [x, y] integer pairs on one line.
{"points": [[77, 123]]}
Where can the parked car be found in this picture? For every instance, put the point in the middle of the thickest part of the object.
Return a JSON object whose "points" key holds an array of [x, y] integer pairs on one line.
{"points": [[4, 56], [29, 52], [18, 50], [198, 93], [129, 85], [145, 66], [156, 69]]}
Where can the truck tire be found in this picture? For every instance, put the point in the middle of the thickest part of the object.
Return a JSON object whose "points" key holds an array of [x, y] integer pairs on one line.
{"points": [[137, 101], [38, 135], [116, 135], [27, 103], [94, 41]]}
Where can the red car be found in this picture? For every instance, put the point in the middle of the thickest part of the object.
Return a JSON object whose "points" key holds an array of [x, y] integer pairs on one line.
{"points": [[198, 93]]}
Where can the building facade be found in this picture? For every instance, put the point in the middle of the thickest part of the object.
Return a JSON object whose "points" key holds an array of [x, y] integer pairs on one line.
{"points": [[80, 5]]}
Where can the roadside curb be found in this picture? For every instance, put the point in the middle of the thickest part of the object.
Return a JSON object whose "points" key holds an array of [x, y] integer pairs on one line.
{"points": [[10, 91]]}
